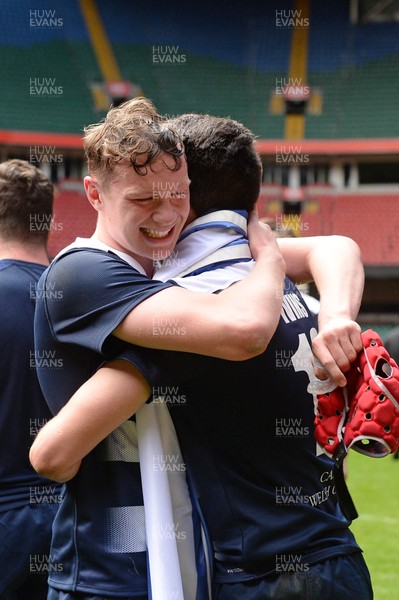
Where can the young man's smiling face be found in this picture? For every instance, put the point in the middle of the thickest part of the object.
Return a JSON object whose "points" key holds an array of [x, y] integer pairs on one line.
{"points": [[142, 215]]}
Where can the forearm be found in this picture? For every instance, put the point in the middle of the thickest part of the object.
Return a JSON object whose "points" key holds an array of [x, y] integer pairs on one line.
{"points": [[93, 412], [236, 324], [336, 267], [337, 270], [334, 263]]}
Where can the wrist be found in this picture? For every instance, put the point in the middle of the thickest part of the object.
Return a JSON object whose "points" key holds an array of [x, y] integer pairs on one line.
{"points": [[326, 318]]}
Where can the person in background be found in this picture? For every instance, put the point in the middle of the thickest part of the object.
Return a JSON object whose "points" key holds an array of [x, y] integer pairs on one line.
{"points": [[28, 502]]}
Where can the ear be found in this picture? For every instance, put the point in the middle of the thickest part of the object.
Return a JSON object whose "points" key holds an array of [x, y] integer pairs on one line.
{"points": [[92, 192]]}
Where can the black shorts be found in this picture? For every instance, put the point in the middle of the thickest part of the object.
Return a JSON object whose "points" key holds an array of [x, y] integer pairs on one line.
{"points": [[344, 577]]}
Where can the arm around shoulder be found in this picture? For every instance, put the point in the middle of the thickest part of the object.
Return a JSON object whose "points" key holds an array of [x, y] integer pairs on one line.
{"points": [[236, 324], [92, 413]]}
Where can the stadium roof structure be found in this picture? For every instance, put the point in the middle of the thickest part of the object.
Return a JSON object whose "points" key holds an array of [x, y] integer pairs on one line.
{"points": [[374, 11], [341, 147]]}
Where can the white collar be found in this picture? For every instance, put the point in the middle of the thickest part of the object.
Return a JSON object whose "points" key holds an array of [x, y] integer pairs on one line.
{"points": [[201, 239]]}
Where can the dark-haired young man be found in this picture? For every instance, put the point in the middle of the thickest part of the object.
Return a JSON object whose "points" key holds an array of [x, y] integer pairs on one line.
{"points": [[267, 495], [228, 425], [28, 502]]}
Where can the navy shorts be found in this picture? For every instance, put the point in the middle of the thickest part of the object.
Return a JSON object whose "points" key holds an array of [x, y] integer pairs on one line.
{"points": [[25, 536], [339, 578], [59, 595]]}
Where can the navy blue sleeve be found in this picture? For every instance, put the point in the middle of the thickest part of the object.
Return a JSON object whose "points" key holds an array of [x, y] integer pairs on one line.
{"points": [[152, 364], [165, 368], [87, 293]]}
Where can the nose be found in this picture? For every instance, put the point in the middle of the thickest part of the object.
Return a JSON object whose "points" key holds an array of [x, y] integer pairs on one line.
{"points": [[165, 213]]}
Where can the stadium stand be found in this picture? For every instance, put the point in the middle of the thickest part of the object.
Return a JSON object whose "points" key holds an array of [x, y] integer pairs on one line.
{"points": [[372, 223], [45, 69], [58, 61], [356, 67], [352, 66], [73, 215]]}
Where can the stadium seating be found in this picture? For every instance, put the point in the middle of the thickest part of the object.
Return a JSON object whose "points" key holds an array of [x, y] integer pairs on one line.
{"points": [[371, 220], [73, 216], [231, 64]]}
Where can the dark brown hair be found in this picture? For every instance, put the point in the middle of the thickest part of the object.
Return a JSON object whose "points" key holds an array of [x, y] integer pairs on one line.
{"points": [[26, 201], [223, 165]]}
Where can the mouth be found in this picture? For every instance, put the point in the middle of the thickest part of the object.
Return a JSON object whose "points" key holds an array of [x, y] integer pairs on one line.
{"points": [[156, 233]]}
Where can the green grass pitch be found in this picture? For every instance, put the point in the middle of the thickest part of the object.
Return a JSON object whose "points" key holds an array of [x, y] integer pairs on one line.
{"points": [[374, 486]]}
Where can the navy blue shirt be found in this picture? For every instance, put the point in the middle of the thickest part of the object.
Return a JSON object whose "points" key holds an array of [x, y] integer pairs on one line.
{"points": [[246, 432], [23, 410], [99, 544]]}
